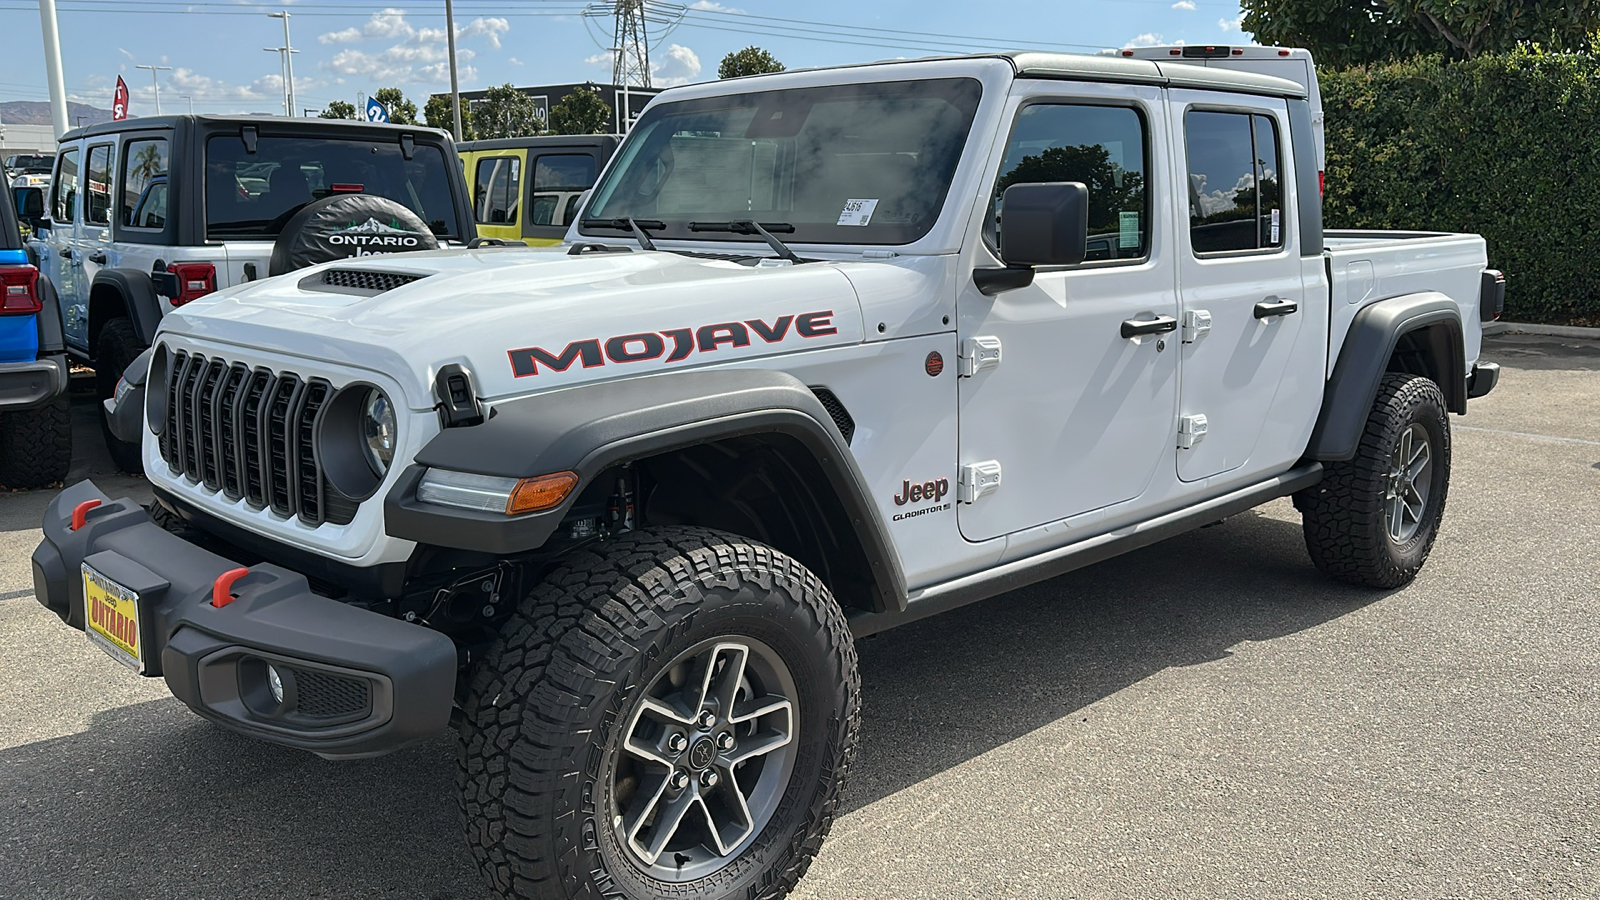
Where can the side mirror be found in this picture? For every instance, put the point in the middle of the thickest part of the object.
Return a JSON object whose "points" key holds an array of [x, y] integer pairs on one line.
{"points": [[1045, 224], [30, 207]]}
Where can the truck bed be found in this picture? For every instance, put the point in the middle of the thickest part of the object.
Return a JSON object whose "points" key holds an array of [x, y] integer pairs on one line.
{"points": [[1367, 266]]}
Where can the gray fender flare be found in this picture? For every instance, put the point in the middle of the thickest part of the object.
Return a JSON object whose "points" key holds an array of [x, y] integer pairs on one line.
{"points": [[1364, 358], [138, 294], [589, 428]]}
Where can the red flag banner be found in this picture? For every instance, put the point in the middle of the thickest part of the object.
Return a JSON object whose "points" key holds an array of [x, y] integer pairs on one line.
{"points": [[119, 101]]}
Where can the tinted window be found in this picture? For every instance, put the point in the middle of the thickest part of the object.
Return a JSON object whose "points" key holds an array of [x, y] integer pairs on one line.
{"points": [[97, 202], [860, 164], [144, 183], [496, 188], [557, 179], [1235, 192], [252, 195], [64, 188], [1103, 147]]}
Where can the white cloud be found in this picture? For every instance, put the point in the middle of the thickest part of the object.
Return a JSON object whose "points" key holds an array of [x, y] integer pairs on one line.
{"points": [[710, 6], [514, 61], [1148, 39], [1234, 24], [677, 65], [1185, 4], [419, 55]]}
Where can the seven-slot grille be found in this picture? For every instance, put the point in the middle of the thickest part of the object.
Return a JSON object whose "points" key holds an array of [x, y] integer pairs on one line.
{"points": [[250, 434]]}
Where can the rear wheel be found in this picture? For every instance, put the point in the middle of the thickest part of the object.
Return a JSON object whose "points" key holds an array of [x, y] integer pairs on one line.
{"points": [[36, 445], [1372, 520], [117, 347], [671, 713]]}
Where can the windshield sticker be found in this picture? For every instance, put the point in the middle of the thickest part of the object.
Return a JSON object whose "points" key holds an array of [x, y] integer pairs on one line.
{"points": [[857, 212]]}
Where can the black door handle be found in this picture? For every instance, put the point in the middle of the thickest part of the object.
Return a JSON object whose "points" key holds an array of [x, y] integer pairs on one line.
{"points": [[1158, 325], [1267, 309], [98, 258], [66, 252]]}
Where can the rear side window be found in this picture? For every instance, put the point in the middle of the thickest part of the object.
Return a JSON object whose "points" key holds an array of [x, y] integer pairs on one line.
{"points": [[144, 183], [1103, 147], [251, 196], [97, 202], [1235, 186], [558, 179], [64, 188], [497, 185]]}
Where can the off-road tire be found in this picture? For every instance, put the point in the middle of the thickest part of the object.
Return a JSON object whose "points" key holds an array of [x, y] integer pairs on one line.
{"points": [[117, 347], [36, 445], [1343, 517], [547, 704]]}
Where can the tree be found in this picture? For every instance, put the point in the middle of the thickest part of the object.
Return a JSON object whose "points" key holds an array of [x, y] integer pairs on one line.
{"points": [[752, 60], [338, 109], [1112, 188], [1356, 32], [437, 114], [581, 112], [506, 112], [401, 110]]}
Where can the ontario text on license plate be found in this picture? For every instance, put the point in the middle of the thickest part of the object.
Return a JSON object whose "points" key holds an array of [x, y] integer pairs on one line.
{"points": [[111, 619]]}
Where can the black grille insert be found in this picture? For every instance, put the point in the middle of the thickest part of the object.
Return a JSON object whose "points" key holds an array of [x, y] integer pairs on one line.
{"points": [[837, 412], [366, 281], [250, 434], [323, 695]]}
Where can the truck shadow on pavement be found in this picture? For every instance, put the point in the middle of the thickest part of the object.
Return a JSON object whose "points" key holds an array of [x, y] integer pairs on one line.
{"points": [[152, 802]]}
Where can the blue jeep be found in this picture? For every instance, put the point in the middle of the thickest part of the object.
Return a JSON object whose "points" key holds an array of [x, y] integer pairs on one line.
{"points": [[35, 422]]}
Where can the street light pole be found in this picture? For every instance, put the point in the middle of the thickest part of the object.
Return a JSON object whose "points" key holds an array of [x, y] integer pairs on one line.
{"points": [[288, 63], [455, 87], [52, 66], [154, 83]]}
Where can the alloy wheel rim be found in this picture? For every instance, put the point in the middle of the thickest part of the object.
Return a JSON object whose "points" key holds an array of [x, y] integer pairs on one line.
{"points": [[705, 758], [1409, 484]]}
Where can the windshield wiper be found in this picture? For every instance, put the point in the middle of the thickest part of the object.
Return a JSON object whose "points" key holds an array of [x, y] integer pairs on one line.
{"points": [[746, 226], [637, 226]]}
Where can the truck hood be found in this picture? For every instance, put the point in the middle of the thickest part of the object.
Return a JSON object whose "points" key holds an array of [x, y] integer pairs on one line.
{"points": [[527, 320]]}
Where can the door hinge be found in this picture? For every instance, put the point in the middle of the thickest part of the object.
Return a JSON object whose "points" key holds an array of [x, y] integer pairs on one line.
{"points": [[1191, 431], [979, 353], [978, 479], [1196, 325]]}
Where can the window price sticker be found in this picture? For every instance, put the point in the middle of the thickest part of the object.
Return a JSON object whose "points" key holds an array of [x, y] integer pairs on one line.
{"points": [[1275, 223], [857, 212]]}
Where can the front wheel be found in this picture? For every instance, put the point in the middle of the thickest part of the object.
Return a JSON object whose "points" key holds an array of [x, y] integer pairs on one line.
{"points": [[1372, 520], [671, 713], [116, 349]]}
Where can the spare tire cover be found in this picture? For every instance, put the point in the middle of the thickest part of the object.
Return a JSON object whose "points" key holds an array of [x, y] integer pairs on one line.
{"points": [[347, 225]]}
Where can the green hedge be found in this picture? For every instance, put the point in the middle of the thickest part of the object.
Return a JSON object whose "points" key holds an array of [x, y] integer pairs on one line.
{"points": [[1504, 146]]}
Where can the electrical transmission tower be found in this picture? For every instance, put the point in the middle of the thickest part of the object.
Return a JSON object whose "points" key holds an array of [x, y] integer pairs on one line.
{"points": [[631, 39]]}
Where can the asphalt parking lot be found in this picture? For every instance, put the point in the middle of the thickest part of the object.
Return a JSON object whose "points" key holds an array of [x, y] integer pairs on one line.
{"points": [[1203, 718]]}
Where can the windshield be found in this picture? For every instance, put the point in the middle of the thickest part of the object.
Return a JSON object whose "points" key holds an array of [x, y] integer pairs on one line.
{"points": [[857, 164], [252, 195]]}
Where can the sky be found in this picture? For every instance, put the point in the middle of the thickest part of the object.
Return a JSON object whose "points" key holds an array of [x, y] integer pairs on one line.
{"points": [[215, 48]]}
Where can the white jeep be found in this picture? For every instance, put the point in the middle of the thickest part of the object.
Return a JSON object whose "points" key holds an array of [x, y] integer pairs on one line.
{"points": [[826, 352]]}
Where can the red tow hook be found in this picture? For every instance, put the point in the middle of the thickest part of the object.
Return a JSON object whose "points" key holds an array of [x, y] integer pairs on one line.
{"points": [[222, 588], [80, 513]]}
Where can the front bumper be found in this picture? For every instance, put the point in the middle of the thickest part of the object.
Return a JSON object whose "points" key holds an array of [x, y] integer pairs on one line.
{"points": [[30, 385], [357, 683]]}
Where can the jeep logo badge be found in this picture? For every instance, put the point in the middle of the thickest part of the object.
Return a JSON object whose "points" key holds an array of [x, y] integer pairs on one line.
{"points": [[702, 753]]}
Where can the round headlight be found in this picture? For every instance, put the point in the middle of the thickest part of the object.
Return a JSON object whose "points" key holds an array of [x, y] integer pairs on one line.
{"points": [[378, 430]]}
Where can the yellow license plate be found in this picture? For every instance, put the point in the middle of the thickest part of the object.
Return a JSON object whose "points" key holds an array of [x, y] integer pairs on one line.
{"points": [[111, 617]]}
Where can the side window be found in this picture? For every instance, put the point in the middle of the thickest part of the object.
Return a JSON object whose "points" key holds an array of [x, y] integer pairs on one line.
{"points": [[64, 191], [1101, 146], [144, 183], [97, 201], [1235, 189], [556, 178], [497, 185]]}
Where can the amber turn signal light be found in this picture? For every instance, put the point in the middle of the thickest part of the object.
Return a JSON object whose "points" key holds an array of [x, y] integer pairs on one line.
{"points": [[541, 493]]}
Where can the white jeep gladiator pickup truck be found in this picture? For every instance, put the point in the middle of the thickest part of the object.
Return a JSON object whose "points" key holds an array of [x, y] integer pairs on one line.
{"points": [[826, 352]]}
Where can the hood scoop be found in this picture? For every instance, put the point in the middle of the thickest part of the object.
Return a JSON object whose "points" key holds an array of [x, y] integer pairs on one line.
{"points": [[357, 282]]}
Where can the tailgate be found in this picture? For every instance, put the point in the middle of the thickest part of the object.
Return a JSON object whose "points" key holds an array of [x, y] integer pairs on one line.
{"points": [[1367, 266]]}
